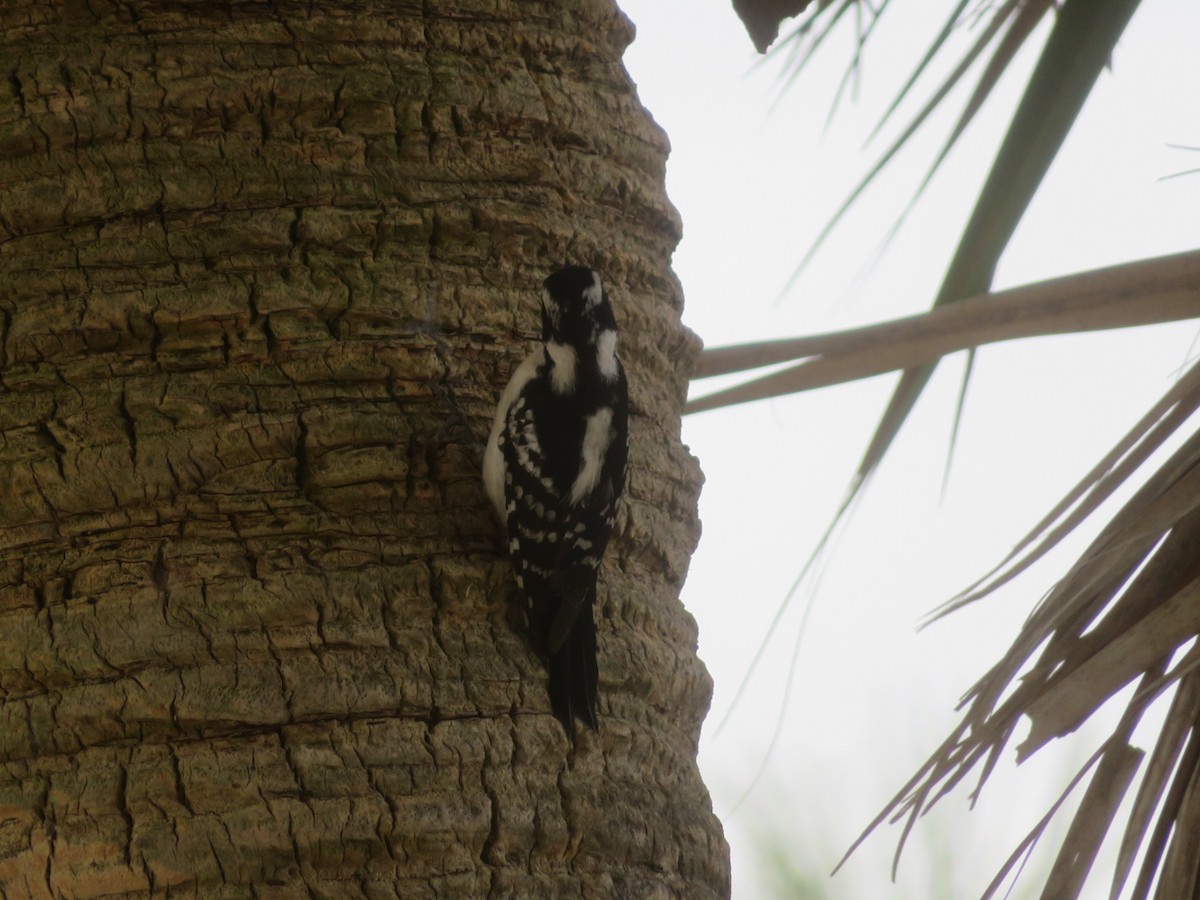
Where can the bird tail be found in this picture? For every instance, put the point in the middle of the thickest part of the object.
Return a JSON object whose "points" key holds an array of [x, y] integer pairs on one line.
{"points": [[574, 674]]}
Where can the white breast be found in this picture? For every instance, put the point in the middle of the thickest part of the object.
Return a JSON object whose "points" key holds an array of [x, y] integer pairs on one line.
{"points": [[597, 438]]}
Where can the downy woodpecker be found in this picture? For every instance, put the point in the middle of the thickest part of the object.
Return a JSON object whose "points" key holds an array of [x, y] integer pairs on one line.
{"points": [[554, 469]]}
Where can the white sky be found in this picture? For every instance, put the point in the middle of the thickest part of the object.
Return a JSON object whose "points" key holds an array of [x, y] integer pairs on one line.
{"points": [[872, 697]]}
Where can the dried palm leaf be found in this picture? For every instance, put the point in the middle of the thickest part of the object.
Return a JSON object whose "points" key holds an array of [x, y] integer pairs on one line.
{"points": [[1185, 707], [1128, 610], [1142, 293]]}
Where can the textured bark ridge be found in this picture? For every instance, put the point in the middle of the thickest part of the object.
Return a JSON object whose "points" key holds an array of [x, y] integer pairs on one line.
{"points": [[263, 271]]}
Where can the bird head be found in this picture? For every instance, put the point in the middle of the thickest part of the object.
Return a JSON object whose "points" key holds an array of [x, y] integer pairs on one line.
{"points": [[575, 307]]}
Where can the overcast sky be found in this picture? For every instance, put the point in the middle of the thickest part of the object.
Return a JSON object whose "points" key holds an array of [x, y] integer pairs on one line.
{"points": [[872, 697]]}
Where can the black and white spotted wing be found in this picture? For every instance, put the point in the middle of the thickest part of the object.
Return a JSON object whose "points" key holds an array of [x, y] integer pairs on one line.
{"points": [[559, 520]]}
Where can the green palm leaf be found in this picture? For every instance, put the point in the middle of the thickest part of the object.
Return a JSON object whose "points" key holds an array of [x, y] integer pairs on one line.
{"points": [[1079, 47]]}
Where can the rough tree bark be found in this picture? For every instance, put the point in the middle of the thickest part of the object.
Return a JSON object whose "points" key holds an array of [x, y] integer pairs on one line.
{"points": [[264, 268]]}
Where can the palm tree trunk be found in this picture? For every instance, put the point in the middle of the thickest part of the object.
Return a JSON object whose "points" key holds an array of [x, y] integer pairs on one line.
{"points": [[264, 269]]}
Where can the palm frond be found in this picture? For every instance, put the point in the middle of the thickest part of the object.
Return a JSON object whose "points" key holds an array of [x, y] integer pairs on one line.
{"points": [[1128, 611], [1009, 25], [935, 47], [1141, 293], [1124, 620], [1079, 47], [803, 42], [1185, 171]]}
